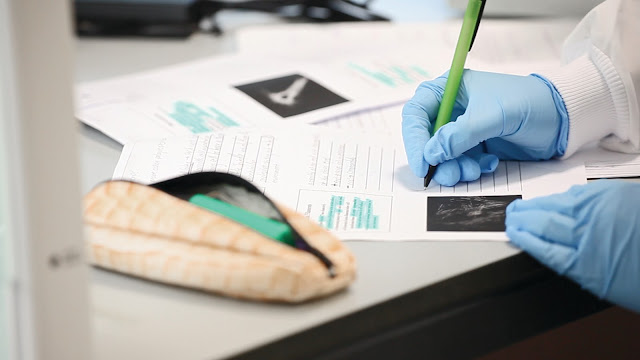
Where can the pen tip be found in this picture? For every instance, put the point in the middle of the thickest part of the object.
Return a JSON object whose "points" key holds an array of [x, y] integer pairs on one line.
{"points": [[429, 176]]}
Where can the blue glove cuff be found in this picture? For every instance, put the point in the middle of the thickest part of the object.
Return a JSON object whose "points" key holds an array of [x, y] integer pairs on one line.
{"points": [[561, 109]]}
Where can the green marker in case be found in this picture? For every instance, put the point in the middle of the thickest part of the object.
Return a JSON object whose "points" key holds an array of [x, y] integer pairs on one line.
{"points": [[268, 227]]}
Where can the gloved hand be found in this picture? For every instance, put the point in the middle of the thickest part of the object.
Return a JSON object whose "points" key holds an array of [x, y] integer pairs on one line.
{"points": [[590, 233], [496, 116]]}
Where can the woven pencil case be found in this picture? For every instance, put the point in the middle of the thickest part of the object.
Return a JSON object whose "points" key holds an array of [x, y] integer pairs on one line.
{"points": [[154, 232]]}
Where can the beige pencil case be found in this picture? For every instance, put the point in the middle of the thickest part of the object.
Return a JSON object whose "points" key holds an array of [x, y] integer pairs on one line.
{"points": [[153, 232]]}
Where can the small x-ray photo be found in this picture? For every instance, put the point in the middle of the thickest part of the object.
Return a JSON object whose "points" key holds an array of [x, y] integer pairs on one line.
{"points": [[467, 213], [291, 95]]}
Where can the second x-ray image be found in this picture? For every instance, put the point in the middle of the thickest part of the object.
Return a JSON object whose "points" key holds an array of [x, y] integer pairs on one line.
{"points": [[467, 213], [291, 95]]}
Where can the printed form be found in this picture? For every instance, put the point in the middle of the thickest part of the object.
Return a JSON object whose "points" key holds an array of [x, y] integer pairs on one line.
{"points": [[359, 187], [599, 162]]}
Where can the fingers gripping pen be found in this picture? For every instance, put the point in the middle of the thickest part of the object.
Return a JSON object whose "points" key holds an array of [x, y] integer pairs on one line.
{"points": [[470, 24]]}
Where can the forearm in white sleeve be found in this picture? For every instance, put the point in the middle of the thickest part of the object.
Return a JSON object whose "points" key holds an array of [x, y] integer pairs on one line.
{"points": [[600, 81]]}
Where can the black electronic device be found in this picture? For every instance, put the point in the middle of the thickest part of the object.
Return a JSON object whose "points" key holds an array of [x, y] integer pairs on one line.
{"points": [[136, 17], [183, 17]]}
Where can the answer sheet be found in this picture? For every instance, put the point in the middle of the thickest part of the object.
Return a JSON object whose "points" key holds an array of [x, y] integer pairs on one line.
{"points": [[210, 94], [358, 186], [599, 162]]}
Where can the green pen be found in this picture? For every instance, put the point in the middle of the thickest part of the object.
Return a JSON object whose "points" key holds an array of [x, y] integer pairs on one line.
{"points": [[470, 24], [268, 227]]}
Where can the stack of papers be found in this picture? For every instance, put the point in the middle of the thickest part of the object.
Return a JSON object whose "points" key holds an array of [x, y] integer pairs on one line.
{"points": [[615, 168], [314, 74], [250, 114], [603, 164], [215, 93]]}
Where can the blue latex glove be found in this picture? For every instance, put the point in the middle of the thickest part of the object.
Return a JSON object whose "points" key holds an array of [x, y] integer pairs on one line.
{"points": [[590, 234], [498, 116]]}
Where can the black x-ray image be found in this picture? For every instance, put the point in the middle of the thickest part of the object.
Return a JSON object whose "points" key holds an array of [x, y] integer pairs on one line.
{"points": [[467, 213], [291, 95]]}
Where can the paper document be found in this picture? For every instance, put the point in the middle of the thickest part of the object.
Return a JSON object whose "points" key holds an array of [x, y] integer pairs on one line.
{"points": [[603, 164], [208, 95], [501, 45], [358, 186]]}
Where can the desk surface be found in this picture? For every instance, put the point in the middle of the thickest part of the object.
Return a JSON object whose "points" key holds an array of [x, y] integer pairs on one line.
{"points": [[135, 319], [170, 323]]}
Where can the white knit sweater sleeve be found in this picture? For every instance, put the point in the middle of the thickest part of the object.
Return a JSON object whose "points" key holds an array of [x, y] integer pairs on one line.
{"points": [[600, 81]]}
